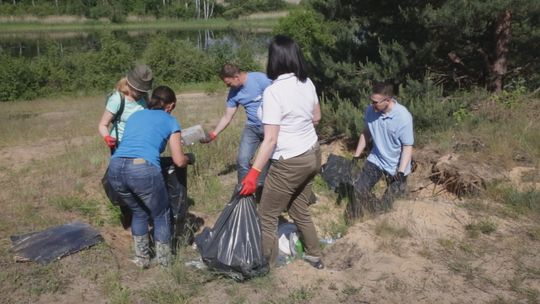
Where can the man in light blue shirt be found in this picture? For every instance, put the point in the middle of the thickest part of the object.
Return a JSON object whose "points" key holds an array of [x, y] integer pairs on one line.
{"points": [[246, 89], [389, 127]]}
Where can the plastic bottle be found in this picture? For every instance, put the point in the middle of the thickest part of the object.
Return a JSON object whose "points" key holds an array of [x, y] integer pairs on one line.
{"points": [[327, 240], [299, 248]]}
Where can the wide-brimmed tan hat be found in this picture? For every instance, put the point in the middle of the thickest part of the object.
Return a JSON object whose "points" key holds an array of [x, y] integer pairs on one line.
{"points": [[140, 78]]}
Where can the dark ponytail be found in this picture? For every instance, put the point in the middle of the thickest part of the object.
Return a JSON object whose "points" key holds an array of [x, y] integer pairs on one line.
{"points": [[161, 96]]}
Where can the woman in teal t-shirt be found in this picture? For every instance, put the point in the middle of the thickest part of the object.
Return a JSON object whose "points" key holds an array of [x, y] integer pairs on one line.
{"points": [[134, 90]]}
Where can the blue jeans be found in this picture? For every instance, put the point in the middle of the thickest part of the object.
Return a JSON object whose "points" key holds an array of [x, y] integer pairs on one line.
{"points": [[252, 137], [141, 186], [364, 199]]}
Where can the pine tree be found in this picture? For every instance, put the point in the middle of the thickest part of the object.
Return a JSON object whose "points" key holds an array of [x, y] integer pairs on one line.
{"points": [[460, 43]]}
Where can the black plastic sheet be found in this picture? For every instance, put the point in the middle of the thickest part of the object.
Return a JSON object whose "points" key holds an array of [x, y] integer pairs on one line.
{"points": [[54, 243], [233, 246]]}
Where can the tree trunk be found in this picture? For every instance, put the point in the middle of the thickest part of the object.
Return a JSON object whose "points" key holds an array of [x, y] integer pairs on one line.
{"points": [[502, 40]]}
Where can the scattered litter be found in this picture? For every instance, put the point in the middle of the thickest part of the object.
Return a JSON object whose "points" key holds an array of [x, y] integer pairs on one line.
{"points": [[54, 243], [290, 246], [199, 264], [330, 239]]}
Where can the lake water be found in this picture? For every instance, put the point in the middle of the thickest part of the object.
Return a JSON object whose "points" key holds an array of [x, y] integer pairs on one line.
{"points": [[34, 44]]}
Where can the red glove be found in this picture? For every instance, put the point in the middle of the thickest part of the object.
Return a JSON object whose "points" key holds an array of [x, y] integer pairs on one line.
{"points": [[249, 183], [208, 138], [111, 141]]}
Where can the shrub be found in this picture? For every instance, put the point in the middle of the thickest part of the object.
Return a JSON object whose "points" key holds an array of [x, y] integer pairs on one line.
{"points": [[429, 109], [340, 117], [177, 61], [17, 81]]}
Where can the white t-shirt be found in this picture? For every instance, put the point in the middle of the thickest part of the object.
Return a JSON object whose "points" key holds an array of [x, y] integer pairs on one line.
{"points": [[289, 103]]}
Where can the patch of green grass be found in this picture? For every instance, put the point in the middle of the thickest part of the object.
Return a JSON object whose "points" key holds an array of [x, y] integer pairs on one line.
{"points": [[178, 283], [339, 228], [531, 176], [87, 207], [395, 285], [517, 285], [385, 229], [463, 268], [301, 295], [391, 237], [477, 205], [516, 202], [114, 289], [485, 227], [426, 252], [466, 247], [351, 290], [320, 186], [501, 300], [264, 283], [41, 279], [534, 233], [235, 294], [447, 244]]}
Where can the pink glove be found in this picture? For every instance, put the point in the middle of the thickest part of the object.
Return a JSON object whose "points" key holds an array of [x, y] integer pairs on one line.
{"points": [[249, 183], [111, 141]]}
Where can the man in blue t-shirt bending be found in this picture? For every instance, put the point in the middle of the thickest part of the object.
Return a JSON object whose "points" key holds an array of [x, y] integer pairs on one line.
{"points": [[246, 89], [389, 127]]}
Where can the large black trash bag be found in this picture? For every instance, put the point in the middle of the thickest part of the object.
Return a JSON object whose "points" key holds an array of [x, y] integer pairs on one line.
{"points": [[338, 172], [176, 182], [233, 246], [54, 243]]}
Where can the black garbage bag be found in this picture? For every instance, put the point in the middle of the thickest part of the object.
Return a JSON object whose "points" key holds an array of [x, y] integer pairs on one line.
{"points": [[338, 172], [54, 243], [176, 182], [233, 246]]}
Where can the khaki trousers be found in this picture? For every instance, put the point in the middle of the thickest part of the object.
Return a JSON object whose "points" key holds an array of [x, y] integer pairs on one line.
{"points": [[288, 187]]}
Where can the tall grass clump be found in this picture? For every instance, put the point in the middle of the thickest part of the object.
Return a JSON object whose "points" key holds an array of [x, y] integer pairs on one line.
{"points": [[517, 202]]}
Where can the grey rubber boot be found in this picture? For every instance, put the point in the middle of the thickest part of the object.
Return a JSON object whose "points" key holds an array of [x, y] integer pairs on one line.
{"points": [[142, 251], [163, 254]]}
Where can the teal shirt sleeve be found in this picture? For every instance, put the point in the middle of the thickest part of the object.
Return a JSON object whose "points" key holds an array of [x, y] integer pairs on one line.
{"points": [[113, 103]]}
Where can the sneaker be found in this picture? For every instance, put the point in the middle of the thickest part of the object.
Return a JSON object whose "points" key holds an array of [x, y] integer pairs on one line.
{"points": [[314, 261]]}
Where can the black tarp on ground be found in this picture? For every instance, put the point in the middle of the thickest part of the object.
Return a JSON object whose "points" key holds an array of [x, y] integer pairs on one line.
{"points": [[54, 243], [233, 246]]}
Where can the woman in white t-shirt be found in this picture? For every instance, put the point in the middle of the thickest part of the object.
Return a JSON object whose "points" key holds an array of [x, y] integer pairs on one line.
{"points": [[289, 113]]}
